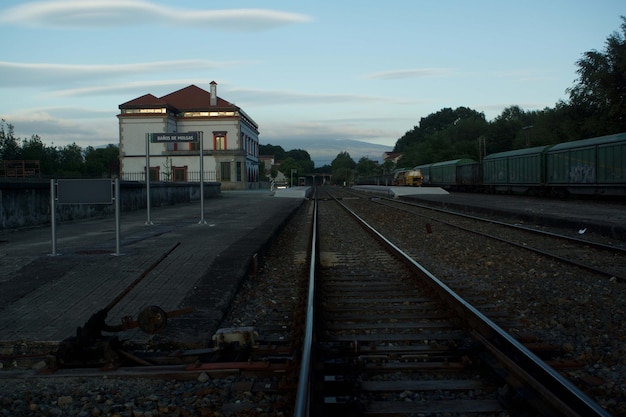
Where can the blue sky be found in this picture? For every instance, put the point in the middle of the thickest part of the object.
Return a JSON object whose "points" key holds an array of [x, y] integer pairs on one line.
{"points": [[306, 72]]}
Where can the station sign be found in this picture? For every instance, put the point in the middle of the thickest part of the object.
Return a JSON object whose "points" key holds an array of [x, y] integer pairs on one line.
{"points": [[173, 137]]}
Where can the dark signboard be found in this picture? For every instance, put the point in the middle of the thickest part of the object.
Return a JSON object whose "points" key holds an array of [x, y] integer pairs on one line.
{"points": [[174, 137], [84, 191]]}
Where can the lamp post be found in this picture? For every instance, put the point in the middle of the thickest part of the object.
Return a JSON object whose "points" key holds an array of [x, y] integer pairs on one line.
{"points": [[527, 130], [291, 180]]}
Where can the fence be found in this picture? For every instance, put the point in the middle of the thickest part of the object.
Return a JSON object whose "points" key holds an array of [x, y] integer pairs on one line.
{"points": [[189, 176], [20, 168]]}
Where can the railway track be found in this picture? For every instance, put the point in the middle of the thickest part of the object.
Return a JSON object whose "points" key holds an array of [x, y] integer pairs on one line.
{"points": [[393, 340], [600, 258]]}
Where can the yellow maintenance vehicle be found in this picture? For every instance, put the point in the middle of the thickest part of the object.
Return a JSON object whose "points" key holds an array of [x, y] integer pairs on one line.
{"points": [[408, 177]]}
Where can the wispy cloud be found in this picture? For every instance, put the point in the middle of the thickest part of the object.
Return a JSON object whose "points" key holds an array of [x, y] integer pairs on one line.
{"points": [[408, 73], [114, 13], [249, 96], [19, 74], [254, 96], [128, 89], [57, 128]]}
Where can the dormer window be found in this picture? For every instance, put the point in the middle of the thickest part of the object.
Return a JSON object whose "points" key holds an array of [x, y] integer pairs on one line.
{"points": [[145, 111]]}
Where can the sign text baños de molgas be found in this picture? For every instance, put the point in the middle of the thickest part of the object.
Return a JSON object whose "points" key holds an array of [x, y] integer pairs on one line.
{"points": [[174, 137]]}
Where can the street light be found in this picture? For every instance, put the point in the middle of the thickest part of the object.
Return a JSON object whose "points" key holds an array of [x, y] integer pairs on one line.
{"points": [[291, 180], [527, 129]]}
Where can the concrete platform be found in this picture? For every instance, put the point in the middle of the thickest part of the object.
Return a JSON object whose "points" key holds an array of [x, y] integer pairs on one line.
{"points": [[400, 191], [293, 192], [45, 298]]}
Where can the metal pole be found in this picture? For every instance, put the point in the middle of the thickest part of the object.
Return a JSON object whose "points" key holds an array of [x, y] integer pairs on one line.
{"points": [[117, 216], [53, 215], [202, 221], [149, 220]]}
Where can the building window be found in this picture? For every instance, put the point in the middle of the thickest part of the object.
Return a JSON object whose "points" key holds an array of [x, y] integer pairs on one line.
{"points": [[155, 173], [183, 146], [208, 114], [143, 111], [219, 141], [238, 171], [225, 171], [180, 173]]}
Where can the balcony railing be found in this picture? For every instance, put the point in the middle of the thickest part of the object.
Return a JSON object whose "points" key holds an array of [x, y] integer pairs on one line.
{"points": [[190, 176]]}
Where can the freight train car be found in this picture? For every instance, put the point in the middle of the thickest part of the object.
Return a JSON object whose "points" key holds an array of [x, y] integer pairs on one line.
{"points": [[515, 171], [453, 174], [595, 166]]}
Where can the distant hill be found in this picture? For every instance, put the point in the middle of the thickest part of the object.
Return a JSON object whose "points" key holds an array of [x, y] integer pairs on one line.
{"points": [[324, 151]]}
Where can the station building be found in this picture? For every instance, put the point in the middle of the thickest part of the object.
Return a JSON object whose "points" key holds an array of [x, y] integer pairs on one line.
{"points": [[230, 139]]}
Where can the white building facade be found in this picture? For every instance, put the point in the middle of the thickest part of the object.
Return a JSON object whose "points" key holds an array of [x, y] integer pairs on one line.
{"points": [[230, 139]]}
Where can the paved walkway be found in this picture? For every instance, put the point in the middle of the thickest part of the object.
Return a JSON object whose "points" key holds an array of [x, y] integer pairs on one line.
{"points": [[45, 298]]}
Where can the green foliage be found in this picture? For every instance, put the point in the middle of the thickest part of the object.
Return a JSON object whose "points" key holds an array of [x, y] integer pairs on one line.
{"points": [[262, 175], [324, 169], [102, 161], [305, 164], [296, 159], [367, 167], [599, 95], [343, 168], [278, 151], [9, 146], [447, 134], [68, 161], [48, 157], [387, 167], [286, 167]]}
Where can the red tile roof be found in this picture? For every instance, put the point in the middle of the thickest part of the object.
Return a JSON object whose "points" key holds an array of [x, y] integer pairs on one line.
{"points": [[147, 100], [191, 98]]}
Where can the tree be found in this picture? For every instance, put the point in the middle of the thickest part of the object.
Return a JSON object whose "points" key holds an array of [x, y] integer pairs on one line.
{"points": [[366, 166], [48, 157], [102, 162], [287, 165], [387, 167], [9, 146], [278, 151], [342, 168], [262, 174], [600, 91], [71, 158], [305, 164]]}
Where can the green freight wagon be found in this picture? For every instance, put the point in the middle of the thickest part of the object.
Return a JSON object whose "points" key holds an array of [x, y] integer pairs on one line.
{"points": [[515, 171], [444, 174], [588, 166]]}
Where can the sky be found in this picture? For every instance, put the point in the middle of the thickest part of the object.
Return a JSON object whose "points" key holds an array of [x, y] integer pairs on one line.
{"points": [[307, 72]]}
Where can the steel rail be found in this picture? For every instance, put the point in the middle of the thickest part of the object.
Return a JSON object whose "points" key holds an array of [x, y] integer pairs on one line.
{"points": [[522, 246], [522, 365], [302, 402]]}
